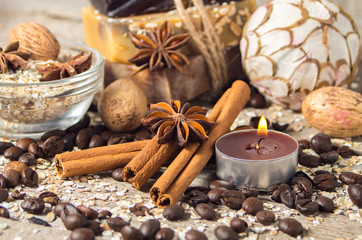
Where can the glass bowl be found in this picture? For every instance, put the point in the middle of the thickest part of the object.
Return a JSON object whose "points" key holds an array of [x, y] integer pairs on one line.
{"points": [[31, 109]]}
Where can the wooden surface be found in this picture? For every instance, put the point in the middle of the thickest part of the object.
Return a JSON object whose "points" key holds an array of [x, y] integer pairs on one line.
{"points": [[63, 18]]}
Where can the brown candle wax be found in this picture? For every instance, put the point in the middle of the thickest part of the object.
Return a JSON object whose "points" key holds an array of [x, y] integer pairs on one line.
{"points": [[241, 145]]}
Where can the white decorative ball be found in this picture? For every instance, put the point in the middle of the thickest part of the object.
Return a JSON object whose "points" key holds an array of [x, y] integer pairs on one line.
{"points": [[291, 47]]}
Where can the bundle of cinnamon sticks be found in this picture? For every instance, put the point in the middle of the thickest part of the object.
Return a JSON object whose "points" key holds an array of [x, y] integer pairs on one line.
{"points": [[143, 159]]}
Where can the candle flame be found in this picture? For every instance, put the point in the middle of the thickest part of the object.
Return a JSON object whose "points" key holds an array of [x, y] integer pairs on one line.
{"points": [[262, 127]]}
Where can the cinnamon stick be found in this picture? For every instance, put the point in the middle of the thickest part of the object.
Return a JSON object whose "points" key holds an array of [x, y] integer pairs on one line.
{"points": [[139, 161], [173, 170], [236, 100], [96, 159]]}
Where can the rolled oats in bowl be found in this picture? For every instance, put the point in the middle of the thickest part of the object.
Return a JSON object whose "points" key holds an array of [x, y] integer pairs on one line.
{"points": [[32, 102]]}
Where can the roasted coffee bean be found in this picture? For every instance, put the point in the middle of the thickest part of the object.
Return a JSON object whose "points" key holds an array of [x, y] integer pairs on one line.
{"points": [[82, 234], [131, 233], [280, 127], [321, 143], [33, 205], [82, 139], [220, 184], [17, 195], [39, 221], [195, 235], [214, 195], [195, 191], [117, 223], [13, 178], [234, 193], [225, 233], [232, 202], [139, 210], [50, 197], [254, 122], [4, 146], [303, 188], [318, 172], [309, 160], [249, 192], [57, 132], [329, 157], [304, 144], [306, 206], [302, 174], [257, 101], [69, 141], [88, 212], [117, 174], [205, 211], [95, 227], [325, 203], [325, 182], [53, 146], [116, 139], [83, 123], [238, 225], [288, 198], [291, 227], [106, 135], [16, 165], [165, 234], [104, 214], [173, 212], [4, 212], [96, 141], [149, 228], [4, 194], [74, 221], [265, 217], [276, 194], [13, 153], [24, 143], [344, 151], [36, 150], [252, 205], [350, 178], [27, 158], [29, 177], [355, 194], [64, 209], [197, 197], [3, 181]]}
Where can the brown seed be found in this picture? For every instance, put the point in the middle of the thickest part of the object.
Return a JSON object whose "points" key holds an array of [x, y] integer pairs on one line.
{"points": [[325, 182], [16, 165], [291, 227], [88, 212], [325, 204], [220, 184], [117, 223], [13, 153], [4, 212], [53, 146], [350, 178], [3, 181], [164, 234], [104, 214], [29, 177], [74, 221], [173, 212], [82, 234], [306, 206], [225, 233], [17, 195], [50, 197], [27, 158], [195, 235], [355, 194], [252, 205], [13, 178], [4, 194], [131, 233], [149, 228], [36, 150], [33, 205], [4, 146], [265, 217], [214, 195], [24, 143], [238, 225], [276, 194], [205, 211]]}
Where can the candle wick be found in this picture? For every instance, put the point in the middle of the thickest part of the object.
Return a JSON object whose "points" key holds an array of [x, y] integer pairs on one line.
{"points": [[258, 145]]}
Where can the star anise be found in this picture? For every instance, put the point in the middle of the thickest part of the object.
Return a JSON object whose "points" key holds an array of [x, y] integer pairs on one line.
{"points": [[77, 64], [12, 58], [158, 49], [173, 122]]}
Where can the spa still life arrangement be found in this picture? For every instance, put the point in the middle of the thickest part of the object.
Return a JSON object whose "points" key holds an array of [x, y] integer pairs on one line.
{"points": [[184, 119]]}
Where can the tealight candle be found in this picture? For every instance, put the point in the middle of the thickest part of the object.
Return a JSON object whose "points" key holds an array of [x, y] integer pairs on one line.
{"points": [[256, 158]]}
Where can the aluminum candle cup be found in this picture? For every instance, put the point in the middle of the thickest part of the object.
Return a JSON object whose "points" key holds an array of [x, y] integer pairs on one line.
{"points": [[238, 161]]}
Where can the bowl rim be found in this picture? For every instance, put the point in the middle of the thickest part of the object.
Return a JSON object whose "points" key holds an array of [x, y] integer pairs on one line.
{"points": [[94, 68]]}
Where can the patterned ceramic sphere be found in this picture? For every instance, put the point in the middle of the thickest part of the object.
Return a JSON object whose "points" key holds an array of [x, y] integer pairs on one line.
{"points": [[291, 47]]}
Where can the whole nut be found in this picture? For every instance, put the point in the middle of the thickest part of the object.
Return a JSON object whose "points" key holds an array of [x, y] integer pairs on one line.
{"points": [[35, 39]]}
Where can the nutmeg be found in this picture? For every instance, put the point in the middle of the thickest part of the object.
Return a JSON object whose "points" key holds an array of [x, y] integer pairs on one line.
{"points": [[35, 39]]}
